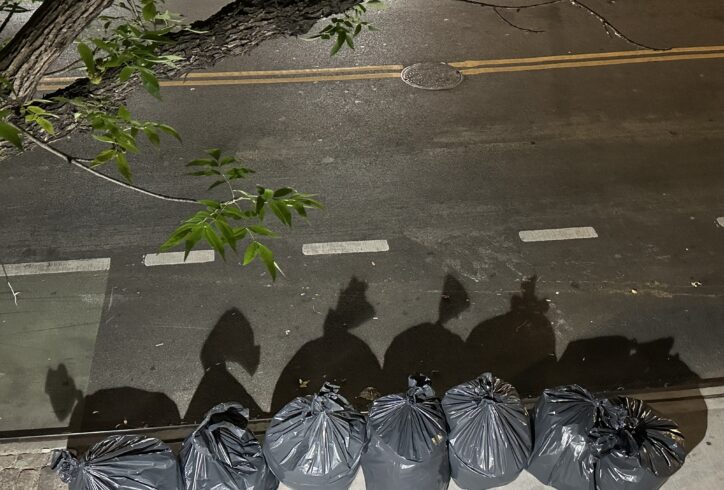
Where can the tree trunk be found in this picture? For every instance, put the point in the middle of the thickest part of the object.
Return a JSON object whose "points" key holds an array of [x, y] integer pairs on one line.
{"points": [[50, 30]]}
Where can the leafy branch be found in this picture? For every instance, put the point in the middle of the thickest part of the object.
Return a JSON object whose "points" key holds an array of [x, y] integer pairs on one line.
{"points": [[221, 223], [345, 28]]}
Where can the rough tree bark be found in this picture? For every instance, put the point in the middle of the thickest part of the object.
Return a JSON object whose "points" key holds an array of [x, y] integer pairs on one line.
{"points": [[51, 28], [234, 30]]}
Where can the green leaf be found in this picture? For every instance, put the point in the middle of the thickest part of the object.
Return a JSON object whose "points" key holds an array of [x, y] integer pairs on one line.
{"points": [[124, 114], [261, 230], [216, 184], [10, 133], [192, 239], [227, 232], [210, 203], [45, 124], [268, 258], [283, 192], [338, 44], [122, 165], [152, 136], [260, 206], [300, 209], [350, 41], [281, 211], [214, 240], [150, 82], [251, 251], [149, 11], [104, 156], [205, 172], [126, 73], [236, 213], [215, 153], [176, 237], [86, 54], [169, 130], [200, 162]]}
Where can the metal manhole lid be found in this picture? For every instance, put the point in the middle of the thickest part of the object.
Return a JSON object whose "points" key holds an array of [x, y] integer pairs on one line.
{"points": [[431, 76]]}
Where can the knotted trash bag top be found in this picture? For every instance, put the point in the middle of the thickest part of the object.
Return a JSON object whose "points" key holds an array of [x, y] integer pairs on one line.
{"points": [[585, 443], [223, 454], [490, 437], [120, 463], [315, 442], [407, 447]]}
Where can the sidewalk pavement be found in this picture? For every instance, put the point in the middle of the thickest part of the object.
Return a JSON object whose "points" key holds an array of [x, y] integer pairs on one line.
{"points": [[24, 466]]}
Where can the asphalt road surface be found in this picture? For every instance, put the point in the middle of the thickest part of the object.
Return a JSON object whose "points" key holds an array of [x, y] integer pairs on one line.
{"points": [[617, 155]]}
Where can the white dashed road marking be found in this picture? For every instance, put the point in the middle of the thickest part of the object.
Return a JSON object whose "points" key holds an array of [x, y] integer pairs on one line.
{"points": [[557, 234], [57, 267], [173, 258], [345, 247], [720, 221]]}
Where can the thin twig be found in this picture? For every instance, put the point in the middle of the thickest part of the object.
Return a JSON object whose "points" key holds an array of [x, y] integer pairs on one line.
{"points": [[512, 7], [520, 28], [607, 25], [78, 163], [67, 67], [611, 28], [7, 280]]}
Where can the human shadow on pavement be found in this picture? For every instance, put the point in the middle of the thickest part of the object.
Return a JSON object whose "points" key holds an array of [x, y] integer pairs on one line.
{"points": [[616, 363], [509, 344], [107, 409], [431, 348], [338, 356], [231, 340]]}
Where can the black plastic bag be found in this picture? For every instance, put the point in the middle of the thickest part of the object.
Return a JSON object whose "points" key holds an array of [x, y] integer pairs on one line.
{"points": [[563, 417], [636, 447], [222, 454], [490, 436], [120, 463], [407, 441], [316, 442], [587, 443]]}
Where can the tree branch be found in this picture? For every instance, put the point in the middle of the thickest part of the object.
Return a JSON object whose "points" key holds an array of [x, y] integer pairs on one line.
{"points": [[607, 25], [520, 28], [79, 162]]}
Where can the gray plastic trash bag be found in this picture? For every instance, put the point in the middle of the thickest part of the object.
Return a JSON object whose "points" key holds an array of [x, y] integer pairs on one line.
{"points": [[316, 442], [120, 463], [490, 437], [222, 454], [584, 443], [407, 447], [636, 448], [562, 419]]}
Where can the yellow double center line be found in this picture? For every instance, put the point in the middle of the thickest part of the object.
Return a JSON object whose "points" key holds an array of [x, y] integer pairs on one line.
{"points": [[468, 68]]}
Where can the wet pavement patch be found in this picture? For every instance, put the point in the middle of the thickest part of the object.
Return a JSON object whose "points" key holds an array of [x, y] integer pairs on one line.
{"points": [[432, 76]]}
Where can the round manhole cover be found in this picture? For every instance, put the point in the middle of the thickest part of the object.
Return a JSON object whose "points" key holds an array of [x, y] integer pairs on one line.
{"points": [[432, 76]]}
